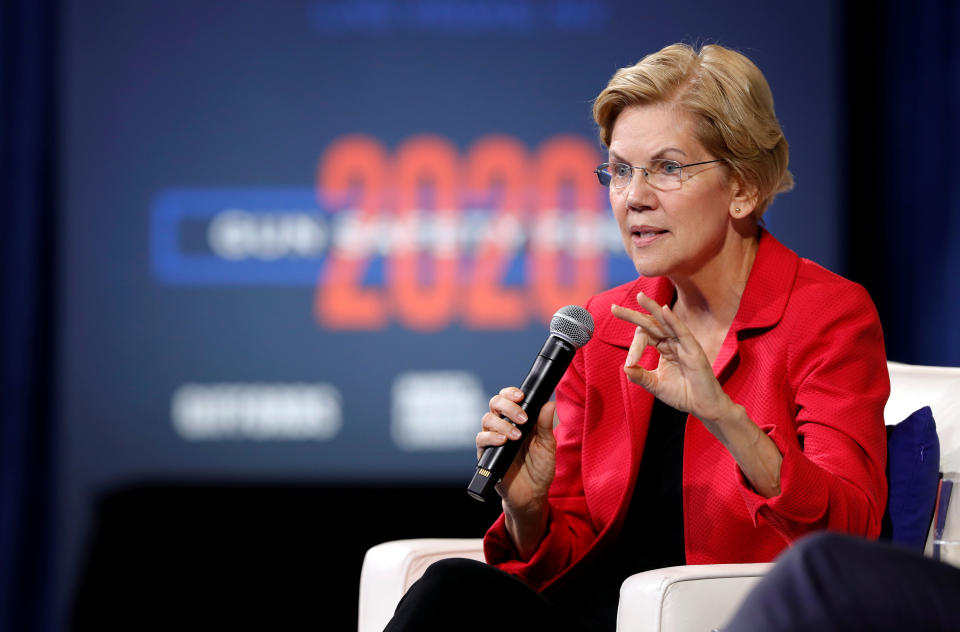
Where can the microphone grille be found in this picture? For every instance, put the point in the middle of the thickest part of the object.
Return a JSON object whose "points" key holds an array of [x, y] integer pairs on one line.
{"points": [[572, 323]]}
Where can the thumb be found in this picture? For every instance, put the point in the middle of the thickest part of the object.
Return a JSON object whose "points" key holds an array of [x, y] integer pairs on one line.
{"points": [[545, 419], [639, 375]]}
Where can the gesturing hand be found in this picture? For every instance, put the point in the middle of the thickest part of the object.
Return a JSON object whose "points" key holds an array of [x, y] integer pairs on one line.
{"points": [[684, 378]]}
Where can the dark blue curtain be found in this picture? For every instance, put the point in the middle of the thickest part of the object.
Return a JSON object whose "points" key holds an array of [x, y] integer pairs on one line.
{"points": [[903, 80], [27, 114]]}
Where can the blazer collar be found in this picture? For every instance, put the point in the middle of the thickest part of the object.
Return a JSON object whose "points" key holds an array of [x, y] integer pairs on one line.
{"points": [[768, 287]]}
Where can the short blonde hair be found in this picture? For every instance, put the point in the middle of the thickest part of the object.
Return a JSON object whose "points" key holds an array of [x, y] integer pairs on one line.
{"points": [[729, 100]]}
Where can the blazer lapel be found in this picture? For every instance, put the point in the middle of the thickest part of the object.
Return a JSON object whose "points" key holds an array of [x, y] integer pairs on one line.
{"points": [[638, 403], [764, 298]]}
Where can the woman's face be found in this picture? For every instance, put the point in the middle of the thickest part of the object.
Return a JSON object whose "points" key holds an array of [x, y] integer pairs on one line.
{"points": [[669, 233]]}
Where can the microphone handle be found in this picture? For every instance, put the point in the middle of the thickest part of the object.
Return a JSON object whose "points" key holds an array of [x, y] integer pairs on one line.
{"points": [[548, 367]]}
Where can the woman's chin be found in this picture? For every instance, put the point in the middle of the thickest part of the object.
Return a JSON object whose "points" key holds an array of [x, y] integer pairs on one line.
{"points": [[648, 267]]}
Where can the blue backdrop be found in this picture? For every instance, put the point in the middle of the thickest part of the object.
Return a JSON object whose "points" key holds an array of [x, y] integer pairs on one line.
{"points": [[242, 191], [306, 240]]}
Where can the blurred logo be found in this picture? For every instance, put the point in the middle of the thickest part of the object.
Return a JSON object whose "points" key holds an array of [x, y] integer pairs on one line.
{"points": [[257, 412]]}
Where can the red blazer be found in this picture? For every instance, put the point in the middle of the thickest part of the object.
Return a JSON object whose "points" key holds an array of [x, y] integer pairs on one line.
{"points": [[804, 356]]}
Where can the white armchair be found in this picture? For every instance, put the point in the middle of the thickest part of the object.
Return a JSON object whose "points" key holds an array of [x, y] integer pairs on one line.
{"points": [[680, 598]]}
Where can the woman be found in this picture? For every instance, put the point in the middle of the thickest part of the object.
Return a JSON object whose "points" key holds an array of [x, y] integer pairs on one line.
{"points": [[731, 399]]}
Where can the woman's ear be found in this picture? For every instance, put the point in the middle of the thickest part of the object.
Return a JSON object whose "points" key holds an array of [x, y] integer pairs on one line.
{"points": [[743, 199]]}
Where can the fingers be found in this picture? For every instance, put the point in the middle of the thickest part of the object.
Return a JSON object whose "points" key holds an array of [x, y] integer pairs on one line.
{"points": [[496, 425], [650, 327], [659, 328], [683, 334], [646, 321], [652, 323], [486, 439], [637, 347], [662, 328], [506, 403], [640, 376]]}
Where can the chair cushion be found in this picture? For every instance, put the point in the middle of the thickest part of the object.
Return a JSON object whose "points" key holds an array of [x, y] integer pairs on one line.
{"points": [[913, 469]]}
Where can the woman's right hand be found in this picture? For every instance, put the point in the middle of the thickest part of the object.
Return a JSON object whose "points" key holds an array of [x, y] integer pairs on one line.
{"points": [[525, 484]]}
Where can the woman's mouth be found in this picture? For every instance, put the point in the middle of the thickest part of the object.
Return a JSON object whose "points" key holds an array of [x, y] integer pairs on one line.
{"points": [[646, 235]]}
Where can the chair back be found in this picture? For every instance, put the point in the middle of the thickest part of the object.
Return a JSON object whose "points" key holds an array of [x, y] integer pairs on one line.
{"points": [[914, 386]]}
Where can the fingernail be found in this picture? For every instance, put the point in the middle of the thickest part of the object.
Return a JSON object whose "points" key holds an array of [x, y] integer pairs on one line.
{"points": [[517, 394], [515, 433], [522, 416]]}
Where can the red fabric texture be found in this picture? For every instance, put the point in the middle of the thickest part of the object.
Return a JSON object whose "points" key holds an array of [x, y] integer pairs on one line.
{"points": [[804, 356]]}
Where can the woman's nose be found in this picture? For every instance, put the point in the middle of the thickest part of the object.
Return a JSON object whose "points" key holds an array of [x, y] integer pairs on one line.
{"points": [[640, 195]]}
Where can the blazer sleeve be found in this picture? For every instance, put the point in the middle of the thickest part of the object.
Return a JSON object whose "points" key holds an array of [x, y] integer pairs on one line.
{"points": [[570, 531], [834, 451]]}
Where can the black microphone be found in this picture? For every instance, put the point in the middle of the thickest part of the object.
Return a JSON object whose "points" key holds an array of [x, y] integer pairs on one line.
{"points": [[570, 329]]}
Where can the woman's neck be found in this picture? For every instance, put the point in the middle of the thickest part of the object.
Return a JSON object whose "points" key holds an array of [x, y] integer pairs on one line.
{"points": [[708, 299]]}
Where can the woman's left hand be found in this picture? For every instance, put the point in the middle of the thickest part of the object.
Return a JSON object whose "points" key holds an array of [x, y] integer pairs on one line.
{"points": [[684, 378]]}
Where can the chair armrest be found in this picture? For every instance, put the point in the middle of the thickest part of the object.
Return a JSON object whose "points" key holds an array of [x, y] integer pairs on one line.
{"points": [[389, 569], [685, 598]]}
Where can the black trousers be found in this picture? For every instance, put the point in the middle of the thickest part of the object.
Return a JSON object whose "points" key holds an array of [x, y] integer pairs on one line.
{"points": [[831, 583], [469, 596]]}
